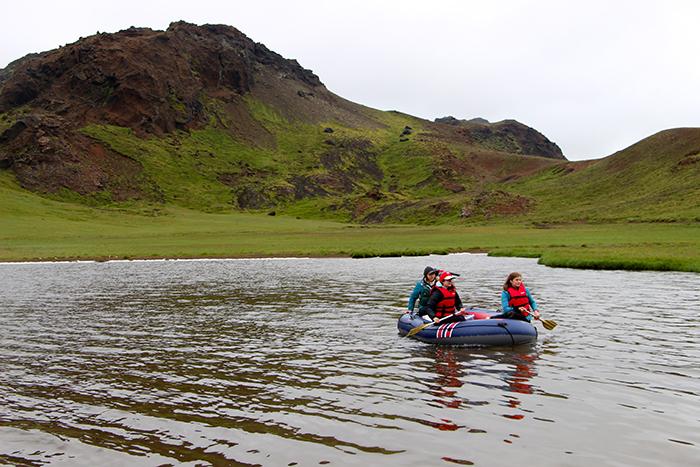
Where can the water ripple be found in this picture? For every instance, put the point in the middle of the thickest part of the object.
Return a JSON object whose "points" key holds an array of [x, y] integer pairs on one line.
{"points": [[203, 363]]}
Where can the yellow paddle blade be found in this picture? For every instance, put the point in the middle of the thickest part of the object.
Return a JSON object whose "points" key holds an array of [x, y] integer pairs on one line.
{"points": [[417, 329], [548, 324]]}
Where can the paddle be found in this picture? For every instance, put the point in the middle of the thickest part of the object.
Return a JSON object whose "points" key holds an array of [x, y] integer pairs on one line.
{"points": [[418, 329], [548, 324]]}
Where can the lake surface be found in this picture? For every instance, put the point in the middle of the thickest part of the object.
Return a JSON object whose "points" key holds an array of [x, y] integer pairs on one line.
{"points": [[298, 362]]}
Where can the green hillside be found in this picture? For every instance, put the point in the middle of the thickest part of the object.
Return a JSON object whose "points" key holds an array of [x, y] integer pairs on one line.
{"points": [[655, 180], [212, 170], [36, 228], [211, 194], [229, 149], [369, 176]]}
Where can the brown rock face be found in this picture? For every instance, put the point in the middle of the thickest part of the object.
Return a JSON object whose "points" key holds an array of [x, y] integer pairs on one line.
{"points": [[153, 82], [46, 156], [507, 136], [150, 81]]}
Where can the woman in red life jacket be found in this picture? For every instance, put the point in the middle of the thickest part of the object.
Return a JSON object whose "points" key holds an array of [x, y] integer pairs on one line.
{"points": [[444, 301], [516, 301]]}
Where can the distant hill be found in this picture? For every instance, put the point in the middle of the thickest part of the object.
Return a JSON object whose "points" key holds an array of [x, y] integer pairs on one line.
{"points": [[205, 118], [656, 179]]}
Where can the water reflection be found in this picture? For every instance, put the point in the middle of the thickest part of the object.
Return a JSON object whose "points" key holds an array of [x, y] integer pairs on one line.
{"points": [[449, 375], [514, 369], [524, 371]]}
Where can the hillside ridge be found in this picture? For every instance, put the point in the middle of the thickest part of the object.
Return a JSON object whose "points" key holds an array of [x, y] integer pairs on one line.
{"points": [[205, 118]]}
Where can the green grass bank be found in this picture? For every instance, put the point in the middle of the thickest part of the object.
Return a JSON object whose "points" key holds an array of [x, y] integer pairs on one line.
{"points": [[37, 228]]}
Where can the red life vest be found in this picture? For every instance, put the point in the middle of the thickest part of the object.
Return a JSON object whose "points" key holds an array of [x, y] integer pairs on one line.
{"points": [[446, 306], [518, 298]]}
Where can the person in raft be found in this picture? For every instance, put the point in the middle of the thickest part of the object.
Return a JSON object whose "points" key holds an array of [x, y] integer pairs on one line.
{"points": [[516, 301], [421, 292], [444, 301]]}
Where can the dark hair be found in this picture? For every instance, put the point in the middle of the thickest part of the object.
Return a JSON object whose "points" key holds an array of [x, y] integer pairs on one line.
{"points": [[429, 270], [511, 276]]}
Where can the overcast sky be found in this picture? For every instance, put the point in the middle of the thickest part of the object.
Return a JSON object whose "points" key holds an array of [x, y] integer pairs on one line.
{"points": [[593, 76]]}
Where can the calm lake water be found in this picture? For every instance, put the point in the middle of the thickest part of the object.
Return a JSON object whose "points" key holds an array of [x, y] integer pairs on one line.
{"points": [[298, 362]]}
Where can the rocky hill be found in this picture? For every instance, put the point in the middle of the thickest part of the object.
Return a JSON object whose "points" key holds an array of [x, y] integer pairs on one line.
{"points": [[152, 82], [205, 118]]}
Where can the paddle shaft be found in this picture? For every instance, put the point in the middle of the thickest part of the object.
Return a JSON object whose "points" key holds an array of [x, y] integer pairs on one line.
{"points": [[418, 329], [548, 324]]}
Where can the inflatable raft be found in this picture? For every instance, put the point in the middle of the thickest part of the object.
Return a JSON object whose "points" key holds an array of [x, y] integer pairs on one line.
{"points": [[472, 332]]}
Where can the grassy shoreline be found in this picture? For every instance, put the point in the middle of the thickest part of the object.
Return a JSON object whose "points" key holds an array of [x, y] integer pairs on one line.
{"points": [[34, 228], [81, 233]]}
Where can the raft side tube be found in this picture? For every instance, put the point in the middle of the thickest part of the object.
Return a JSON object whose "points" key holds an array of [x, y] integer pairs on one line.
{"points": [[476, 332]]}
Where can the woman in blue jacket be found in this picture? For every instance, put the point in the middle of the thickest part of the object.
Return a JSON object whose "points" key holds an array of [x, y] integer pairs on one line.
{"points": [[516, 300], [421, 292]]}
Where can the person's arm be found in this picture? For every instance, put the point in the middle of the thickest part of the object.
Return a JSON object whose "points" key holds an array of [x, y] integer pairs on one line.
{"points": [[505, 298], [429, 309], [414, 296], [533, 303], [458, 302]]}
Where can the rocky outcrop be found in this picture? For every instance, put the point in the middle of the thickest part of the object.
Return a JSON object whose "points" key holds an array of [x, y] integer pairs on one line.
{"points": [[507, 136], [151, 81], [46, 156], [450, 120]]}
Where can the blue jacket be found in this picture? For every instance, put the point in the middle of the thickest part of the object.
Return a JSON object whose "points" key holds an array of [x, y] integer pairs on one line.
{"points": [[505, 298], [421, 286]]}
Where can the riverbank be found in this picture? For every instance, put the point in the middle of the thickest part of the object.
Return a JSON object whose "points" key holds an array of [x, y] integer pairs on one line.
{"points": [[75, 232]]}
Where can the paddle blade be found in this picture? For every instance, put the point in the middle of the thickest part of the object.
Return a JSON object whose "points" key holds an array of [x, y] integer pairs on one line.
{"points": [[417, 329], [549, 324]]}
